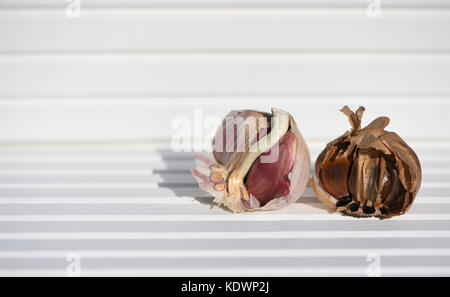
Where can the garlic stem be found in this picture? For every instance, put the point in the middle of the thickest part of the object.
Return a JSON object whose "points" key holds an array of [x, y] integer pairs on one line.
{"points": [[277, 131]]}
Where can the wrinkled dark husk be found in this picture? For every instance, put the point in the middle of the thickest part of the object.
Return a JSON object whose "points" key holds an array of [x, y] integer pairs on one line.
{"points": [[381, 162]]}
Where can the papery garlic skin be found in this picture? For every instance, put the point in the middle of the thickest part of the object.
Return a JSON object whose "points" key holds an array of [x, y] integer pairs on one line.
{"points": [[240, 173], [367, 172]]}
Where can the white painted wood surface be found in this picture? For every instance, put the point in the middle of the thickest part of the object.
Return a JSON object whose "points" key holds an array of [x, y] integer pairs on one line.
{"points": [[123, 66], [89, 104], [224, 30], [222, 3], [159, 118], [136, 210], [221, 75]]}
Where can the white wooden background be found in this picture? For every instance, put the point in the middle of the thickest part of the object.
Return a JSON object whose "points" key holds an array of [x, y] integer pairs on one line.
{"points": [[86, 112], [123, 66]]}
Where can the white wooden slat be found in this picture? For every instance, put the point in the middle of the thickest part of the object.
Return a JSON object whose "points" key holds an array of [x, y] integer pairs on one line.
{"points": [[162, 209], [224, 243], [168, 190], [223, 30], [354, 257], [222, 75], [220, 3], [134, 119], [87, 165], [132, 159], [305, 199], [178, 196], [218, 226], [440, 173], [147, 200], [52, 154], [114, 191], [57, 180], [271, 217], [170, 165], [99, 180], [236, 263], [257, 253], [157, 152], [243, 272], [136, 185], [99, 151], [222, 235]]}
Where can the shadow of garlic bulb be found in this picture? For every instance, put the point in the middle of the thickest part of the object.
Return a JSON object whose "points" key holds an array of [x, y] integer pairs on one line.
{"points": [[259, 161], [367, 172]]}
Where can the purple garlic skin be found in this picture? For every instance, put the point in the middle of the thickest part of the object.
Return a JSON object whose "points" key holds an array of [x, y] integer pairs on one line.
{"points": [[367, 172], [266, 181], [260, 161]]}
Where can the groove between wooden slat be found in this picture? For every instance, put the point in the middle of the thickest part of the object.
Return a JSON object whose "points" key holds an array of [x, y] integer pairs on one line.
{"points": [[210, 8], [137, 185], [225, 235], [161, 179], [170, 190], [235, 253], [206, 218], [161, 150], [150, 158], [145, 56], [231, 226], [143, 172], [203, 208], [162, 200], [186, 165], [33, 4]]}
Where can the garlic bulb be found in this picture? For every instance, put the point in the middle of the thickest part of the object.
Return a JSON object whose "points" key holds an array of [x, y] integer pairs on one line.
{"points": [[367, 172], [259, 161]]}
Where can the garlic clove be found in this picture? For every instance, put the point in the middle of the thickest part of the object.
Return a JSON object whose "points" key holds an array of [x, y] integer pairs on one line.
{"points": [[268, 180], [228, 141], [334, 173], [259, 161], [381, 177]]}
